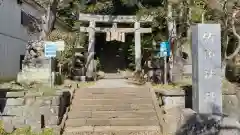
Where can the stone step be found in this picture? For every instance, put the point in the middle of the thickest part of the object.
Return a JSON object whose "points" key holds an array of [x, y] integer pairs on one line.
{"points": [[113, 95], [106, 96], [108, 111], [117, 133], [113, 76], [112, 130], [111, 122], [112, 114], [139, 94], [117, 107], [76, 101], [113, 90]]}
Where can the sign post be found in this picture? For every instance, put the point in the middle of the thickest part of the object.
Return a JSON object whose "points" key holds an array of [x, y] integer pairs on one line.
{"points": [[50, 51], [165, 52]]}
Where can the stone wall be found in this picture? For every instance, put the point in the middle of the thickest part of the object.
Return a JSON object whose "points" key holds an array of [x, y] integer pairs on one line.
{"points": [[170, 99], [180, 119], [35, 109]]}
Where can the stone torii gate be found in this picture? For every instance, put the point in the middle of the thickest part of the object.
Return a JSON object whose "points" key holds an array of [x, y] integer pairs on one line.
{"points": [[92, 29]]}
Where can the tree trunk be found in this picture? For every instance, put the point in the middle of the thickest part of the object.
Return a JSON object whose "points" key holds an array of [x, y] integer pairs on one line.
{"points": [[170, 33], [203, 16], [237, 50], [189, 35], [49, 19], [177, 60], [223, 69]]}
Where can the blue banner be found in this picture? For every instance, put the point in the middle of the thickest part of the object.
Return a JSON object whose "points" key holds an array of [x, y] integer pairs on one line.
{"points": [[164, 49]]}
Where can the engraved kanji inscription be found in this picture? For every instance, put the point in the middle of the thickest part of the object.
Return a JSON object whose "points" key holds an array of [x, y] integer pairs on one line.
{"points": [[209, 54], [208, 36], [208, 74], [210, 96]]}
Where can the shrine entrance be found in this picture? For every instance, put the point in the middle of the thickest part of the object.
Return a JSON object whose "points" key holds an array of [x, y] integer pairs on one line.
{"points": [[112, 55], [112, 52]]}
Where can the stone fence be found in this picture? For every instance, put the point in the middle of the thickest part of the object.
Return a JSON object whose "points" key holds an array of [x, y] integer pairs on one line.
{"points": [[28, 108]]}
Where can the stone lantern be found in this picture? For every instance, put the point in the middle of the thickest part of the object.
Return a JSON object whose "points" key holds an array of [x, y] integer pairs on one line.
{"points": [[78, 64]]}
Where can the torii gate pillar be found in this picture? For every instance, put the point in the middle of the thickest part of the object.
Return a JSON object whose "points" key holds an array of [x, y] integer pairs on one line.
{"points": [[90, 65], [138, 55]]}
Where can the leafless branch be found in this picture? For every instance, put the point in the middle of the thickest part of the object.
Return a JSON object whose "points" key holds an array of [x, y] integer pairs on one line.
{"points": [[237, 50]]}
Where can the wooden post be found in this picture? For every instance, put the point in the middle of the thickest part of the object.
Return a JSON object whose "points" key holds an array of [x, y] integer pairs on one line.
{"points": [[108, 36], [114, 32], [91, 45], [122, 36], [138, 57]]}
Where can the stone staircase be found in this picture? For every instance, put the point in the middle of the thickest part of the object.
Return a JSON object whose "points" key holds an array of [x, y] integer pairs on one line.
{"points": [[113, 76], [112, 111]]}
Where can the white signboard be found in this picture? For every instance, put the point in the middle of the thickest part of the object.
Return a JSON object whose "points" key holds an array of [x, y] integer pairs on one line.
{"points": [[60, 45], [50, 49]]}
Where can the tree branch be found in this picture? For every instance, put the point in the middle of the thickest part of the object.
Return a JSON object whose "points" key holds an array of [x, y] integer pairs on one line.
{"points": [[50, 18], [237, 50], [53, 9]]}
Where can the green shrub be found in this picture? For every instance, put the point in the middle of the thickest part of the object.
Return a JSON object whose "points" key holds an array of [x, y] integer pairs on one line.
{"points": [[25, 131], [59, 79]]}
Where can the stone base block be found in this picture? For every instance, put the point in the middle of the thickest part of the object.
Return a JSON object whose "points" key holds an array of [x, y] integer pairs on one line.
{"points": [[37, 76], [173, 102]]}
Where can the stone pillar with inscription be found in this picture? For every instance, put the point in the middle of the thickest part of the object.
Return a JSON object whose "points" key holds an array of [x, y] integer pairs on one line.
{"points": [[138, 55], [206, 71]]}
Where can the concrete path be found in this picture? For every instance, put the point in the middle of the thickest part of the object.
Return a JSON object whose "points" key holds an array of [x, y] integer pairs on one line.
{"points": [[112, 107]]}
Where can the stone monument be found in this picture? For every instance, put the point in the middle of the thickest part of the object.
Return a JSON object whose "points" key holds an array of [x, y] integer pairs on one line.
{"points": [[35, 67], [206, 77]]}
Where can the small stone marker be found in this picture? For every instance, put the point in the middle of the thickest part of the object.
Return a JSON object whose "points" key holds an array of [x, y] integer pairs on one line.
{"points": [[8, 127], [206, 77]]}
